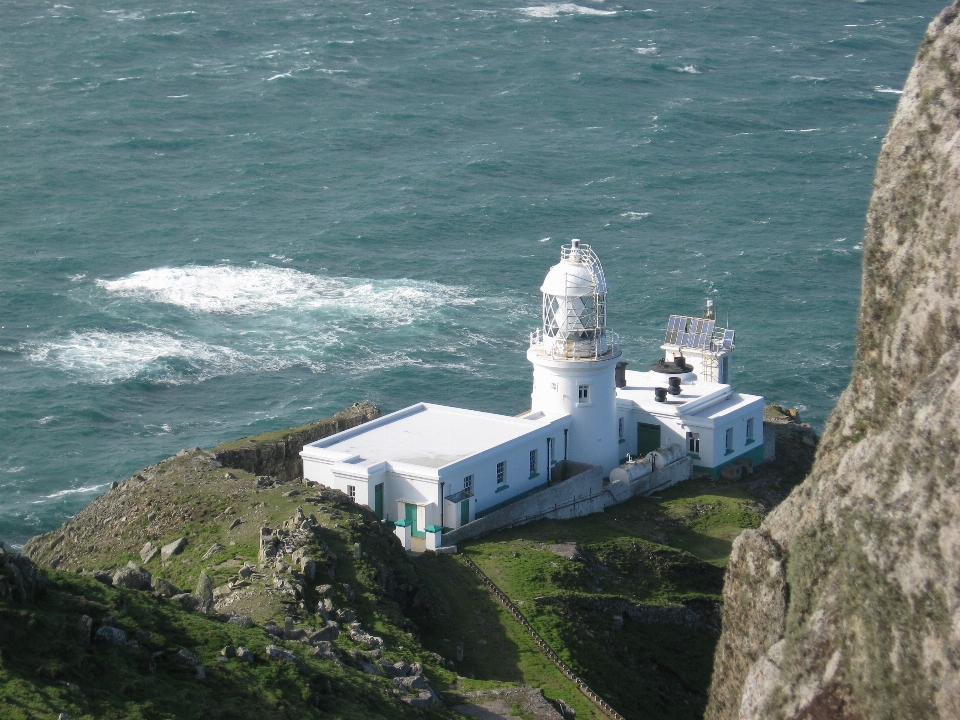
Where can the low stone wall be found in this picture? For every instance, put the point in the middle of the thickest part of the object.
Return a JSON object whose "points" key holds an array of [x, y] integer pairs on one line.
{"points": [[582, 494], [278, 454], [661, 479]]}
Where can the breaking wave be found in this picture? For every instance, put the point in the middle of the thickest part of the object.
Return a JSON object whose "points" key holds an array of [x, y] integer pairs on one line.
{"points": [[552, 10], [107, 357], [232, 290]]}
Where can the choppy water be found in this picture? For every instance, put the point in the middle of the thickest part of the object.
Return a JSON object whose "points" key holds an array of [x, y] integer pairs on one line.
{"points": [[224, 217]]}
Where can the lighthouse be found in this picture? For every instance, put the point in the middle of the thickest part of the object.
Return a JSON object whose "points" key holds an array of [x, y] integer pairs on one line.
{"points": [[574, 358]]}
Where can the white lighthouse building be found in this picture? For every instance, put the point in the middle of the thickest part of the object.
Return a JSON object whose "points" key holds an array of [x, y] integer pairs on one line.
{"points": [[574, 358], [428, 467]]}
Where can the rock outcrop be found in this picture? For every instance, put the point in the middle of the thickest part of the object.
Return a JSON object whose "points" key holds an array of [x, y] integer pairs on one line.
{"points": [[279, 456], [846, 602]]}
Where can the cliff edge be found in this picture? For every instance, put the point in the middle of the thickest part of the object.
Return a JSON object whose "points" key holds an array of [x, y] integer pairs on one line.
{"points": [[845, 603]]}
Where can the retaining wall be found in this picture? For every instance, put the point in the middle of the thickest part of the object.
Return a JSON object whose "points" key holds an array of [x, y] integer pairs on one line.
{"points": [[582, 494]]}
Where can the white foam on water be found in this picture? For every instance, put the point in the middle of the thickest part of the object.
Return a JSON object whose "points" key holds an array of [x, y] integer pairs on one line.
{"points": [[635, 215], [45, 420], [652, 50], [17, 469], [74, 491], [885, 89], [106, 357], [552, 10], [689, 69], [257, 290], [77, 278]]}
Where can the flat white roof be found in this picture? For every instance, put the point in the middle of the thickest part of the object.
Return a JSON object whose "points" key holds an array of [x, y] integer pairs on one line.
{"points": [[697, 398], [432, 436]]}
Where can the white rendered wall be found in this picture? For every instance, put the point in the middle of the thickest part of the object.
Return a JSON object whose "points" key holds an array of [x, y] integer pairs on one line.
{"points": [[593, 434]]}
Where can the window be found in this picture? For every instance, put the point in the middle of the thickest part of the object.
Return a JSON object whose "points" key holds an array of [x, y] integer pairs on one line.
{"points": [[352, 492], [584, 393], [725, 369], [501, 472], [468, 483], [749, 430], [533, 463], [620, 430], [693, 442], [729, 441]]}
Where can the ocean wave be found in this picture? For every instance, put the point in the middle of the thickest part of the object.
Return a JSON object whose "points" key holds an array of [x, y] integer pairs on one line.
{"points": [[885, 89], [75, 491], [635, 215], [552, 10], [107, 357], [652, 50], [257, 290], [690, 69]]}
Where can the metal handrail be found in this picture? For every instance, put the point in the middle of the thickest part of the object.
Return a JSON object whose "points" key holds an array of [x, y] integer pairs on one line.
{"points": [[508, 605]]}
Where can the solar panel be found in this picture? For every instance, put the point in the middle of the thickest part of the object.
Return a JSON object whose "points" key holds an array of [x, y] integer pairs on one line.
{"points": [[728, 340]]}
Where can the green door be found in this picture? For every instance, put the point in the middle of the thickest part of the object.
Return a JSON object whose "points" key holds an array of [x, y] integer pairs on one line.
{"points": [[464, 512], [411, 515], [378, 500], [648, 438]]}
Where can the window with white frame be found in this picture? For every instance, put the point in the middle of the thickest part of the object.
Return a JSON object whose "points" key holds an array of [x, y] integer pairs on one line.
{"points": [[352, 492], [693, 442], [501, 472], [584, 393], [533, 463], [729, 438], [468, 483], [749, 430]]}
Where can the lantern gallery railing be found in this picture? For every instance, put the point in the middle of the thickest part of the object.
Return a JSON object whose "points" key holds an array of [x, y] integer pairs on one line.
{"points": [[599, 347]]}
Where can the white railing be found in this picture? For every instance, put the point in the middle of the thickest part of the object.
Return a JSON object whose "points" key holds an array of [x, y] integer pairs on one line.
{"points": [[602, 347]]}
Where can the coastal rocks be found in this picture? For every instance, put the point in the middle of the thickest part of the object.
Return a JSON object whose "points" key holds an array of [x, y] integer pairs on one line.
{"points": [[132, 577], [845, 603], [281, 458], [110, 635], [188, 601], [19, 579], [362, 637], [281, 655], [205, 592], [164, 588], [148, 552], [215, 549], [174, 548], [193, 661]]}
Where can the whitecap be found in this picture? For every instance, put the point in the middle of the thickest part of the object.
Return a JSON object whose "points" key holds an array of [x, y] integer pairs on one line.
{"points": [[19, 468], [105, 357], [885, 89], [552, 10], [281, 75], [690, 69], [45, 420], [635, 215], [232, 290], [74, 491], [652, 50], [546, 239], [77, 278]]}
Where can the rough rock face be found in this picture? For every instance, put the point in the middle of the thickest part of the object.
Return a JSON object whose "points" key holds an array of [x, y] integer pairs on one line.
{"points": [[846, 602], [281, 457]]}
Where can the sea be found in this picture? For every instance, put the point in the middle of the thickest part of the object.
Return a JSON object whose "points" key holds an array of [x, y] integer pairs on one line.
{"points": [[221, 218]]}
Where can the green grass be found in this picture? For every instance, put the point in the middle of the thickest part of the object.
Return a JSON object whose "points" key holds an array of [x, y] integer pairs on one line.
{"points": [[665, 550], [497, 651], [44, 670]]}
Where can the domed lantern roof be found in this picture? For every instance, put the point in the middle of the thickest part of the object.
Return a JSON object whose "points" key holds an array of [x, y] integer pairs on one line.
{"points": [[574, 306]]}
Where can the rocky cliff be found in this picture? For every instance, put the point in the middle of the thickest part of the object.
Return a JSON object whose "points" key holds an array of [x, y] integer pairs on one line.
{"points": [[845, 603]]}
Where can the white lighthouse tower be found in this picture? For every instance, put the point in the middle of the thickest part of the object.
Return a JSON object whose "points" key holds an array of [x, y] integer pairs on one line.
{"points": [[574, 358]]}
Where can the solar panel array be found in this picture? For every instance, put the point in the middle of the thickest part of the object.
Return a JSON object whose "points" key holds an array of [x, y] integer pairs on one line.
{"points": [[698, 333]]}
